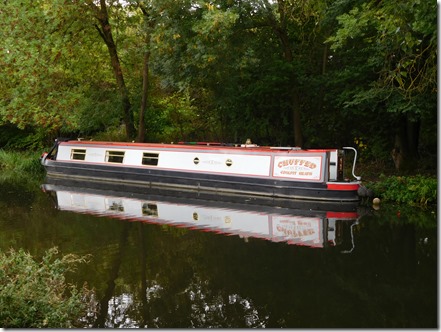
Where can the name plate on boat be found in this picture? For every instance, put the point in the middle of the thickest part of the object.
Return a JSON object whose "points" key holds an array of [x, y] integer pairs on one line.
{"points": [[300, 168]]}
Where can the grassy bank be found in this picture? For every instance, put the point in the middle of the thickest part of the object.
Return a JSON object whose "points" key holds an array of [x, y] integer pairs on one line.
{"points": [[19, 165], [415, 190]]}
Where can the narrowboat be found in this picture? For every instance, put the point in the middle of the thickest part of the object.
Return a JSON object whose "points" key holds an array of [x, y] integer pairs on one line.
{"points": [[245, 169], [301, 226]]}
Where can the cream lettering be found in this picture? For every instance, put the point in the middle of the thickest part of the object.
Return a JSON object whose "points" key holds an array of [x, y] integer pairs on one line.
{"points": [[294, 233], [296, 162]]}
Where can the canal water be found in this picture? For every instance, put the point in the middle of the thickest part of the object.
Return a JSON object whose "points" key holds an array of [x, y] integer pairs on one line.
{"points": [[180, 261]]}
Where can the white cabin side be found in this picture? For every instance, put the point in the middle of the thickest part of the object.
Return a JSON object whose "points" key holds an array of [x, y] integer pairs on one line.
{"points": [[315, 166], [256, 165]]}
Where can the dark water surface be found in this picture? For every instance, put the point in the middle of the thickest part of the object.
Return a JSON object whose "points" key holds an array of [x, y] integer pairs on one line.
{"points": [[185, 262]]}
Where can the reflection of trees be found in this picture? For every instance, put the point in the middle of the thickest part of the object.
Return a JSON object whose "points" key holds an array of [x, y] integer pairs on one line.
{"points": [[183, 279], [215, 309], [117, 312], [152, 281], [158, 287], [203, 307], [108, 301], [162, 276]]}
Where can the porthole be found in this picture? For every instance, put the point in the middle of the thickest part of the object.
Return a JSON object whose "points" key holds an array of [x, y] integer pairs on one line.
{"points": [[229, 162], [196, 160]]}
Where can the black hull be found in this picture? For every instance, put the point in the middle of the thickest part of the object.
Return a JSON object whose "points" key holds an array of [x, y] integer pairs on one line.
{"points": [[243, 202], [199, 182]]}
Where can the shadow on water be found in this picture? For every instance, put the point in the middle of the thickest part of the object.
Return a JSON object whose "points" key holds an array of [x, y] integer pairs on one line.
{"points": [[190, 261]]}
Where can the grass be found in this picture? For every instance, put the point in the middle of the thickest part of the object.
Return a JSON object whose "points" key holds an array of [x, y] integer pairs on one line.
{"points": [[416, 190], [15, 164]]}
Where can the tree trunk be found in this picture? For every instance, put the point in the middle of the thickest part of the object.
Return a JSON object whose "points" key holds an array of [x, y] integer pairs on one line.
{"points": [[105, 32], [145, 88], [295, 100], [281, 31], [298, 135], [413, 138], [405, 151]]}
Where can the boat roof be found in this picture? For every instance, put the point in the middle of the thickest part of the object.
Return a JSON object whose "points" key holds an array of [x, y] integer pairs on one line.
{"points": [[188, 145]]}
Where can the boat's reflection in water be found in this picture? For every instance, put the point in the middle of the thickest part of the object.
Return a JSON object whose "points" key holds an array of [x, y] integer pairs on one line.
{"points": [[311, 224]]}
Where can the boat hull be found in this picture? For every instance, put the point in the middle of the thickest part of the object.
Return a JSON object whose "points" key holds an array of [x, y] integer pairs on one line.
{"points": [[201, 182]]}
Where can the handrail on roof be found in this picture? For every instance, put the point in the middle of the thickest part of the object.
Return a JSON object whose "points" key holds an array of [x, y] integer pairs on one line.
{"points": [[353, 163]]}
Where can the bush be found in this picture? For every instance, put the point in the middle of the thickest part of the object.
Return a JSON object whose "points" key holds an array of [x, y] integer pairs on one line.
{"points": [[36, 294], [412, 190], [15, 163], [27, 139]]}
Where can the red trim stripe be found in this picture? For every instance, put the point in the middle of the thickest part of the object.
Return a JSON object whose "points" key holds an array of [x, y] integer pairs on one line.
{"points": [[343, 186], [342, 215]]}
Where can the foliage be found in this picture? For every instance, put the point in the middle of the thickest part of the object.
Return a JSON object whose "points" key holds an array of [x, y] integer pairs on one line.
{"points": [[403, 35], [17, 163], [412, 190], [116, 134], [223, 70], [384, 55], [12, 137], [49, 61], [393, 214], [35, 294]]}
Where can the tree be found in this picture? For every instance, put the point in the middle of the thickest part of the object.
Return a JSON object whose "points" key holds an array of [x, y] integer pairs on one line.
{"points": [[401, 49], [148, 24], [145, 88], [35, 87], [51, 80], [105, 31], [225, 70], [193, 57], [278, 19], [248, 54]]}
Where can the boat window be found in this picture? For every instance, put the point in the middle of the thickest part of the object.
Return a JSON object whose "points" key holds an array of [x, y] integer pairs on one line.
{"points": [[115, 206], [78, 154], [115, 156], [150, 158], [149, 209]]}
